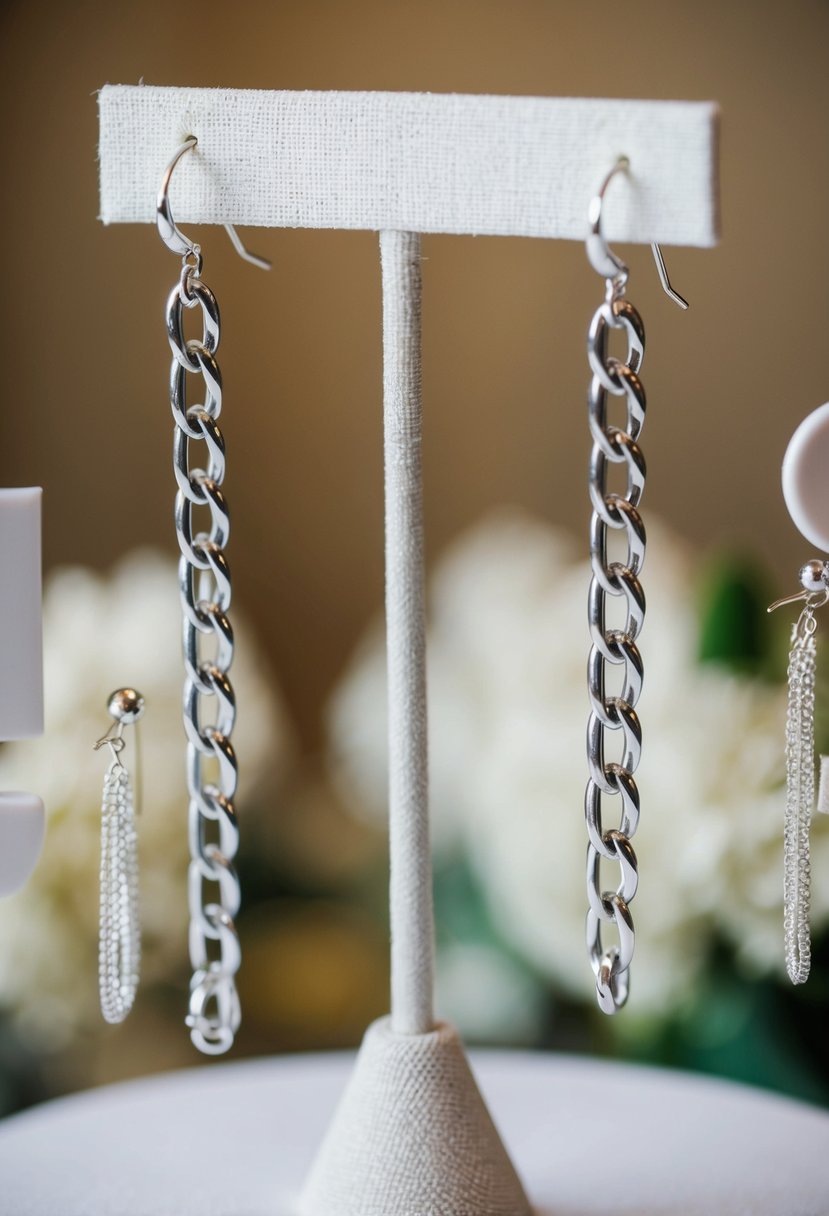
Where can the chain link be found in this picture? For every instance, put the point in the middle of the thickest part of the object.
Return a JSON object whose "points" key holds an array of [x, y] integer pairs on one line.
{"points": [[614, 647], [209, 703]]}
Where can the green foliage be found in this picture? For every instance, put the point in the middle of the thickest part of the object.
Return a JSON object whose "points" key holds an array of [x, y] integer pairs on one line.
{"points": [[757, 1031], [735, 630]]}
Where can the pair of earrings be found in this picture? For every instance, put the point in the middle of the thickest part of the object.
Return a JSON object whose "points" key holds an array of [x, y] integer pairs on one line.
{"points": [[209, 704]]}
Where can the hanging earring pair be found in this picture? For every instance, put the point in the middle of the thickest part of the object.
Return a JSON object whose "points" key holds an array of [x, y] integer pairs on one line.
{"points": [[611, 646], [205, 591], [119, 937], [807, 498]]}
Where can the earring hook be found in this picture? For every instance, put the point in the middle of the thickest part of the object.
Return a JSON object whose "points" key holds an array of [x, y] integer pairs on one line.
{"points": [[602, 258], [171, 234], [814, 579]]}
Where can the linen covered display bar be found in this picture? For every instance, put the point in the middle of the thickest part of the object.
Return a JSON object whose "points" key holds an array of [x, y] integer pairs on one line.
{"points": [[412, 1134], [498, 166]]}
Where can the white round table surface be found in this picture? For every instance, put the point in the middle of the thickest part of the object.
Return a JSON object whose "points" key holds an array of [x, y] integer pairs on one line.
{"points": [[586, 1137]]}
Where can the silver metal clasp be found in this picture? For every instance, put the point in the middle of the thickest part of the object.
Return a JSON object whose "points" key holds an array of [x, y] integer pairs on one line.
{"points": [[171, 234], [602, 258]]}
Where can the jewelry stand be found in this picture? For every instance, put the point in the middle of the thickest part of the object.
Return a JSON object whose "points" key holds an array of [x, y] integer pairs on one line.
{"points": [[22, 815], [412, 1134]]}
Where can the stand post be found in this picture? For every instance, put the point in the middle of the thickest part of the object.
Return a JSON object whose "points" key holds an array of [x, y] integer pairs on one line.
{"points": [[412, 917]]}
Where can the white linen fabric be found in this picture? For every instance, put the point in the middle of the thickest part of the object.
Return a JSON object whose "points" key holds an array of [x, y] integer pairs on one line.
{"points": [[412, 934], [412, 1137], [418, 162]]}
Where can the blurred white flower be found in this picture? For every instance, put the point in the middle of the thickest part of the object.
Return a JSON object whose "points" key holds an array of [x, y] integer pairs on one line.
{"points": [[101, 633], [508, 708], [488, 994]]}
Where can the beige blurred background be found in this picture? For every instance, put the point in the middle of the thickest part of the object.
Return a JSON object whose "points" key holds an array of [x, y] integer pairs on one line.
{"points": [[85, 367], [85, 358]]}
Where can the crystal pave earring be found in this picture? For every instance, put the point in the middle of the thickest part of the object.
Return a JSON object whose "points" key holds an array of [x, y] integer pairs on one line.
{"points": [[119, 938], [614, 646], [800, 770], [806, 493], [205, 589]]}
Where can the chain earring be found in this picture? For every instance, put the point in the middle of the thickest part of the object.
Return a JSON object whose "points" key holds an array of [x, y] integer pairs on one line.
{"points": [[617, 577], [119, 937], [205, 590], [800, 769], [806, 494]]}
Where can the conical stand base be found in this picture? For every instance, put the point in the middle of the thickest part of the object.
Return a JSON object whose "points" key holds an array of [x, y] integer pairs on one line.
{"points": [[412, 1137]]}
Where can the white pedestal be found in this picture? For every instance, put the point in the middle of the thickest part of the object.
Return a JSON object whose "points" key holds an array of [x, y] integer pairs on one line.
{"points": [[587, 1138]]}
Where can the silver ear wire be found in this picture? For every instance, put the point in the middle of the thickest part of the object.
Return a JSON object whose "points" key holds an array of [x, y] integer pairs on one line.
{"points": [[171, 234], [664, 280], [602, 258]]}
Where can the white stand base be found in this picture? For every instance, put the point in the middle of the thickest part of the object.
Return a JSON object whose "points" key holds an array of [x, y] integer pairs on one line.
{"points": [[589, 1138], [412, 1137]]}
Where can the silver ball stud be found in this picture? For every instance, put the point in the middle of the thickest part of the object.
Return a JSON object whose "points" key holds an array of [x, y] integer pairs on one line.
{"points": [[814, 576], [126, 705]]}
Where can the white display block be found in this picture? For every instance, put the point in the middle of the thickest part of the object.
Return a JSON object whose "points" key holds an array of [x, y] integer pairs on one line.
{"points": [[22, 828], [21, 629], [418, 162]]}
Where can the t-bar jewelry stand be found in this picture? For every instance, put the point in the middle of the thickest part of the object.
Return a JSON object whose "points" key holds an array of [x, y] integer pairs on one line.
{"points": [[412, 1134]]}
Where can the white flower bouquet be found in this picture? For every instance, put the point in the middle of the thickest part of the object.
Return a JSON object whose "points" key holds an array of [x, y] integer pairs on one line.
{"points": [[508, 708]]}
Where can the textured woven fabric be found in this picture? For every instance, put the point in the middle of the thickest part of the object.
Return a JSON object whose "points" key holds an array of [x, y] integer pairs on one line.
{"points": [[410, 855], [521, 166], [412, 1137]]}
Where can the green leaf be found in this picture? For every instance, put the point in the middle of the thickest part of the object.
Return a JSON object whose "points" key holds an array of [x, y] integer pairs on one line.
{"points": [[734, 623]]}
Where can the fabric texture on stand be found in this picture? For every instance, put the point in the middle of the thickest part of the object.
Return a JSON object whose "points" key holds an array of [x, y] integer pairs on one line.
{"points": [[412, 931], [412, 1137], [416, 162]]}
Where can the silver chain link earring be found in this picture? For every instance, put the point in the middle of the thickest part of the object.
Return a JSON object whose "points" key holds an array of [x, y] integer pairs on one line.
{"points": [[119, 936], [614, 646], [205, 589]]}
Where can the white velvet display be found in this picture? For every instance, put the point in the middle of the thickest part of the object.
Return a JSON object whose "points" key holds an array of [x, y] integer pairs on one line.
{"points": [[412, 1137], [419, 162], [237, 1140]]}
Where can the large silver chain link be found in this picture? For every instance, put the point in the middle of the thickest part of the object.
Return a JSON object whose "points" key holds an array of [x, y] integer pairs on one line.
{"points": [[209, 702], [614, 646]]}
